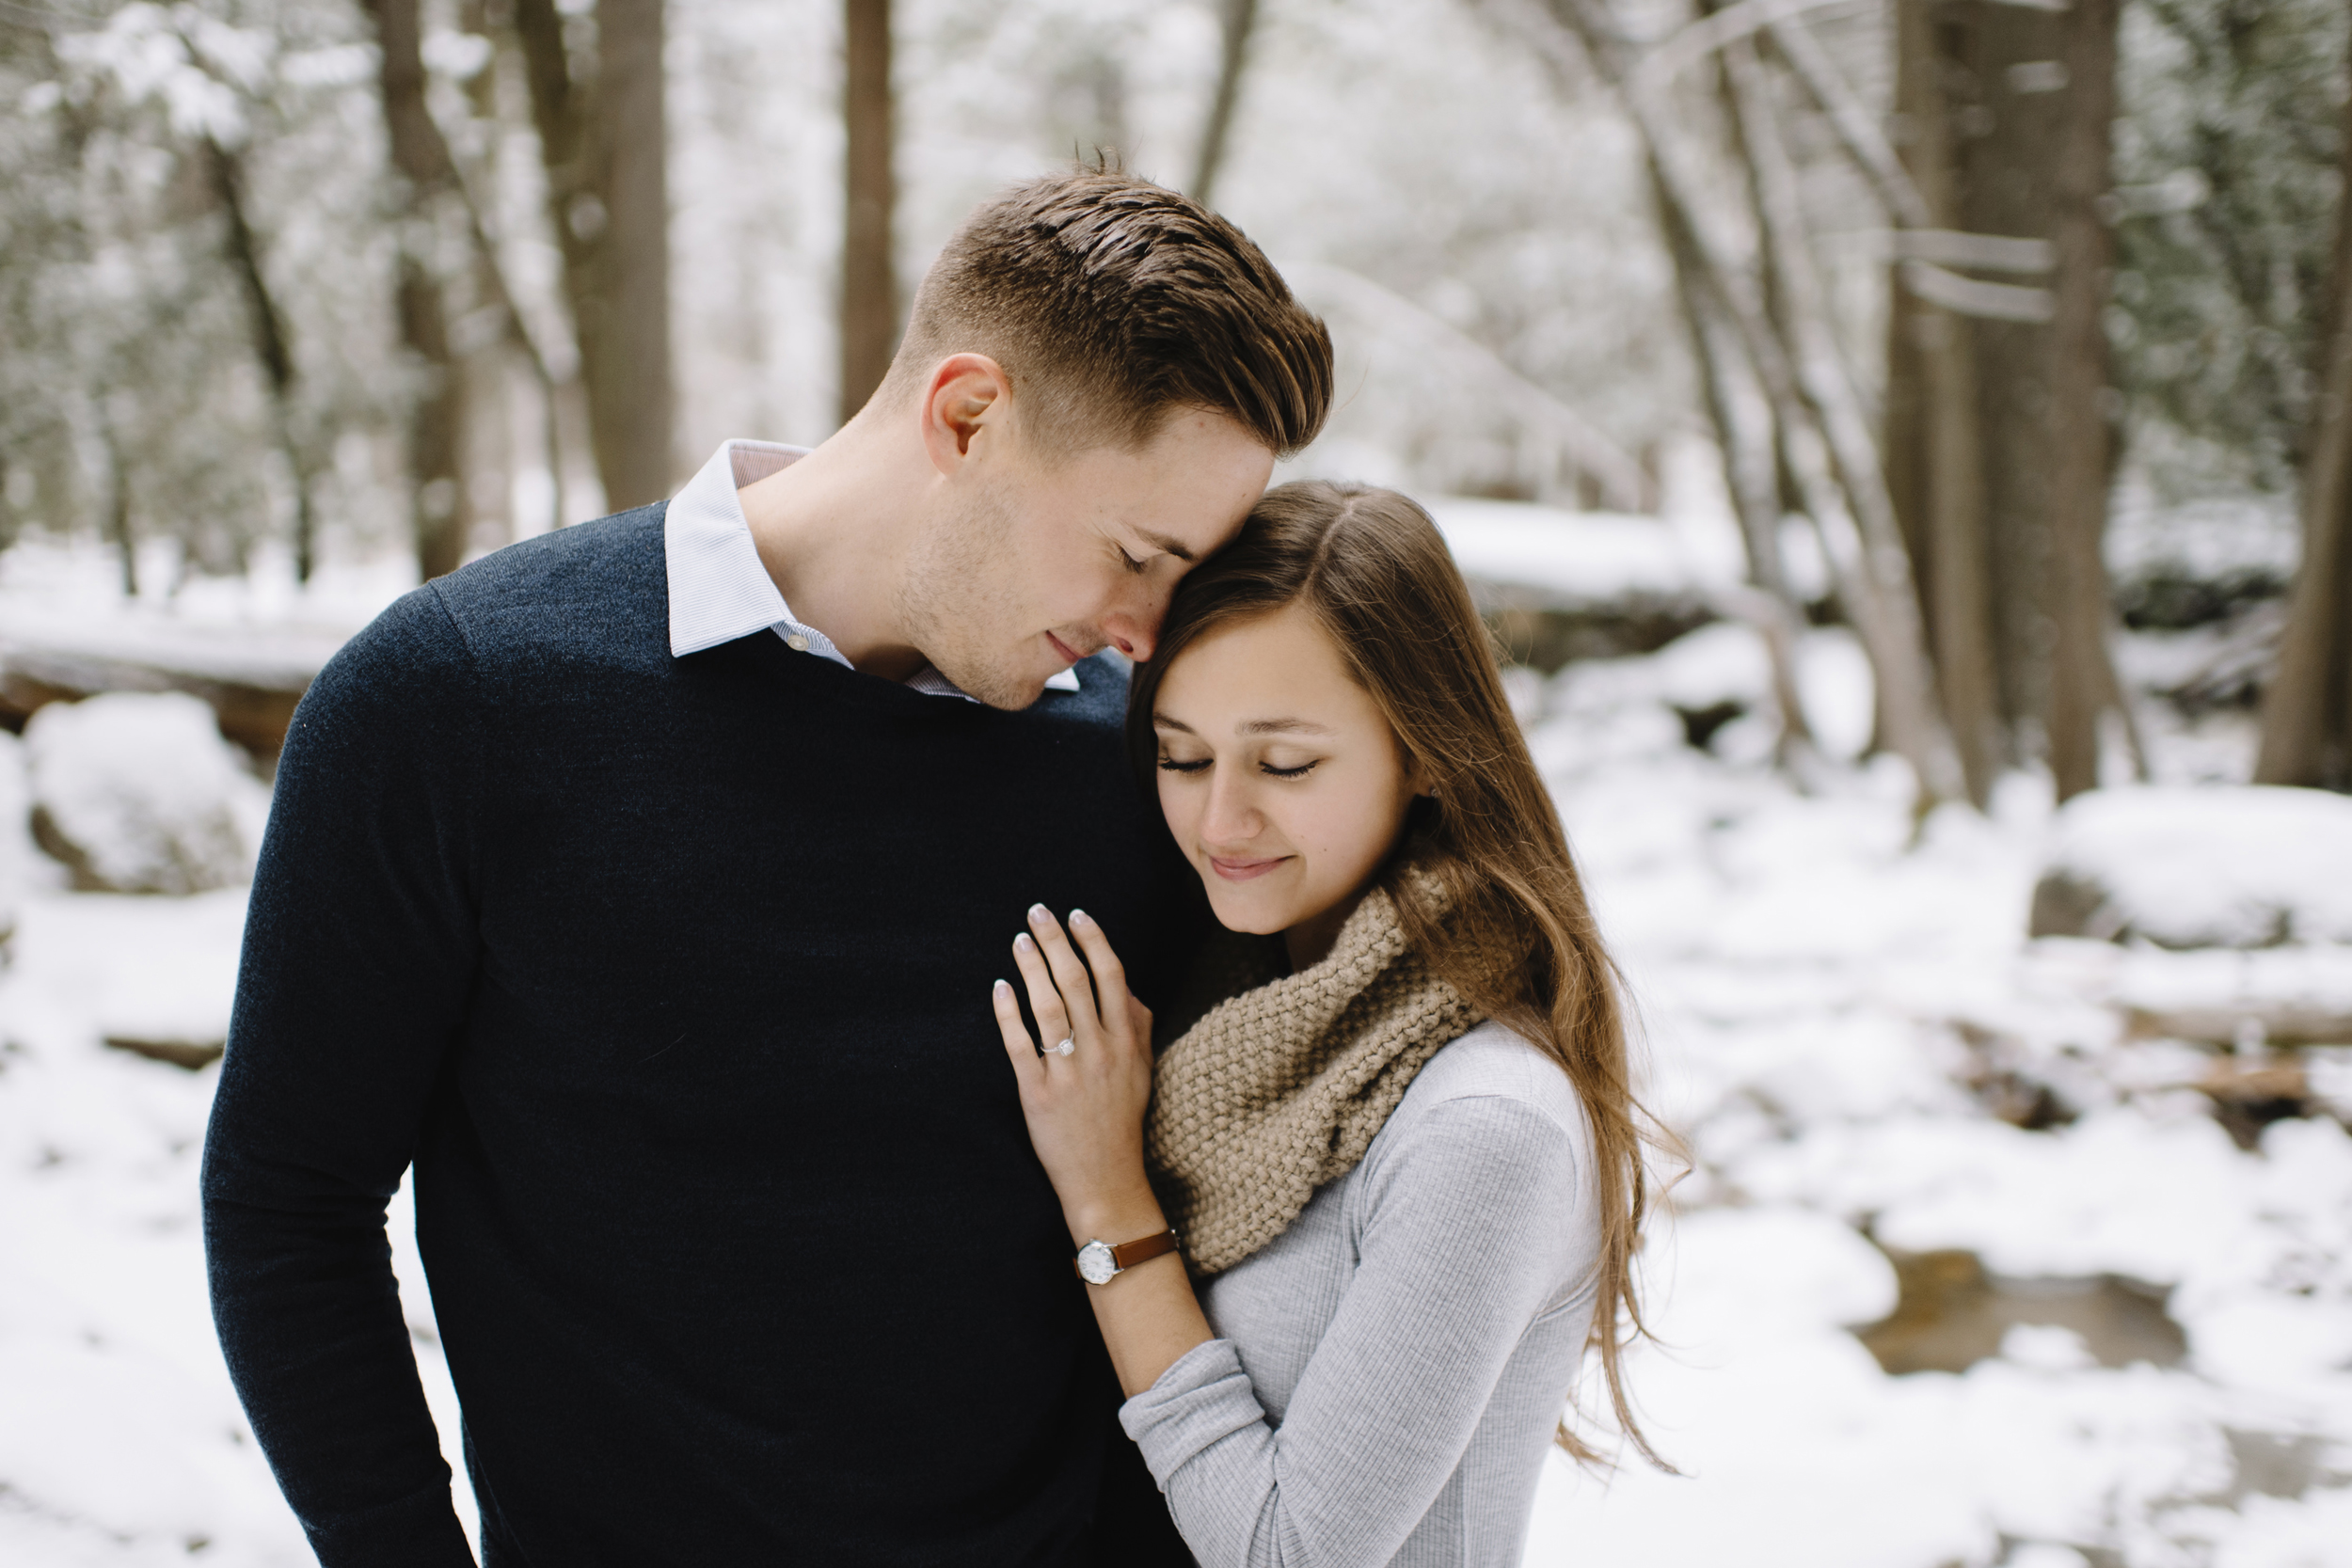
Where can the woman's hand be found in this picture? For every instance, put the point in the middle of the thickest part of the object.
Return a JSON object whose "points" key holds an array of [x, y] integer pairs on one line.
{"points": [[1086, 1121], [1084, 1108]]}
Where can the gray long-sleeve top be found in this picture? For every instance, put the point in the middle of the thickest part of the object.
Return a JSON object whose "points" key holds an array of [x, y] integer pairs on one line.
{"points": [[1388, 1372]]}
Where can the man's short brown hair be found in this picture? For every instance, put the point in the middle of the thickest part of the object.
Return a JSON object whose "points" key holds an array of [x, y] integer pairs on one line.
{"points": [[1112, 303]]}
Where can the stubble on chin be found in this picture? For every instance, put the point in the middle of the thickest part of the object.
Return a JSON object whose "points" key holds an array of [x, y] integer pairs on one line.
{"points": [[959, 604]]}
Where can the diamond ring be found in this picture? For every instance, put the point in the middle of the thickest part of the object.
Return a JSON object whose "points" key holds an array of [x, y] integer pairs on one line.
{"points": [[1064, 1049]]}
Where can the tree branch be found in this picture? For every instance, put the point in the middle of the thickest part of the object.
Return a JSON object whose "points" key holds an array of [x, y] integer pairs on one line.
{"points": [[1822, 422]]}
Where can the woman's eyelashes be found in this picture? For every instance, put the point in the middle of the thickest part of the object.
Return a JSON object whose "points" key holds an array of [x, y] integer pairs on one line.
{"points": [[1195, 765]]}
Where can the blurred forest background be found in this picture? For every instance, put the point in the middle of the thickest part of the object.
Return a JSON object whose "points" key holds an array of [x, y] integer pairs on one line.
{"points": [[2030, 316], [1905, 446]]}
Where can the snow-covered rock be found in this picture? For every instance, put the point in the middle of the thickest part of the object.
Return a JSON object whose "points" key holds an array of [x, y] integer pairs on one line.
{"points": [[136, 792], [1723, 663], [2214, 866]]}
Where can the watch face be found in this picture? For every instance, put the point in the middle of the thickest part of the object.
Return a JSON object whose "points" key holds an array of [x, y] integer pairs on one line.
{"points": [[1095, 1265]]}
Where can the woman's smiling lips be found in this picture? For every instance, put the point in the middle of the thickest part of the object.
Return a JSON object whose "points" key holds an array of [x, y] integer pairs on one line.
{"points": [[1235, 869]]}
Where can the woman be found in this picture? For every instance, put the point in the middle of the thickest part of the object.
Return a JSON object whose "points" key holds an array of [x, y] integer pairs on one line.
{"points": [[1400, 1149]]}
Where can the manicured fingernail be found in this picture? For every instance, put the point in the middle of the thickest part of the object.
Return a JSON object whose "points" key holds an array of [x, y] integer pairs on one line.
{"points": [[1022, 943], [1040, 913], [1079, 917], [1003, 989]]}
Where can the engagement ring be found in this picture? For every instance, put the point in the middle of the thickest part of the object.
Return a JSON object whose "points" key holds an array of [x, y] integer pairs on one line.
{"points": [[1064, 1049]]}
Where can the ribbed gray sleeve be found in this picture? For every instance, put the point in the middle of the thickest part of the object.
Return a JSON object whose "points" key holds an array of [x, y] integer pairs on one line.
{"points": [[1469, 1218]]}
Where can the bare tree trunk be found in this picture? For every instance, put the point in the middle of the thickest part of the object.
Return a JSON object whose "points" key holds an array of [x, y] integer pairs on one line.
{"points": [[493, 282], [118, 506], [1819, 417], [1743, 434], [482, 98], [423, 174], [1995, 60], [271, 346], [436, 419], [2306, 713], [1990, 63], [629, 392], [1935, 417], [1237, 21], [1813, 380], [869, 287], [2083, 685], [558, 106], [602, 141]]}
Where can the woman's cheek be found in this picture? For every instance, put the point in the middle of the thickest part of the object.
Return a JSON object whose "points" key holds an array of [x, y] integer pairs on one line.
{"points": [[1362, 832], [1173, 808]]}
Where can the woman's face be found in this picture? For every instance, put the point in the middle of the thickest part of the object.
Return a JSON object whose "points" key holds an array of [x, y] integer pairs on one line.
{"points": [[1279, 776]]}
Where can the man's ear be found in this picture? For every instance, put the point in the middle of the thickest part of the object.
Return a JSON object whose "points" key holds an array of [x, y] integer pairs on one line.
{"points": [[967, 394]]}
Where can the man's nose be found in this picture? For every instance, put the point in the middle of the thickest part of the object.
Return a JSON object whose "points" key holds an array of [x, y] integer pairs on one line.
{"points": [[1134, 627]]}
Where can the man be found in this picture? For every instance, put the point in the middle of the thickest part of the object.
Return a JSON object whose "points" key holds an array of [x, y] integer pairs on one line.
{"points": [[643, 885]]}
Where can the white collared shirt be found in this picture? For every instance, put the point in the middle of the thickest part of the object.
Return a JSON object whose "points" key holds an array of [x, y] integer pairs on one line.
{"points": [[719, 587]]}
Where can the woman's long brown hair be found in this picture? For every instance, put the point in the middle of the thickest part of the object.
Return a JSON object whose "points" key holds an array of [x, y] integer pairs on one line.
{"points": [[1513, 932]]}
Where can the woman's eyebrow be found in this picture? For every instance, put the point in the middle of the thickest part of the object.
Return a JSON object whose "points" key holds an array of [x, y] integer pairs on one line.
{"points": [[1162, 722]]}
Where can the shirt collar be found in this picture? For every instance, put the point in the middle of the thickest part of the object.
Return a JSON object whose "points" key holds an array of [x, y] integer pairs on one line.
{"points": [[719, 587]]}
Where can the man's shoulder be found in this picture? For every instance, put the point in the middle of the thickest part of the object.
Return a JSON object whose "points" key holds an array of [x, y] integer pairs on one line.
{"points": [[1101, 700], [595, 592], [603, 580]]}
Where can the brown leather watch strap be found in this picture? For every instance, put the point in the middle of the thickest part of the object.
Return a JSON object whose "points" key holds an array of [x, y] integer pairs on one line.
{"points": [[1132, 1253]]}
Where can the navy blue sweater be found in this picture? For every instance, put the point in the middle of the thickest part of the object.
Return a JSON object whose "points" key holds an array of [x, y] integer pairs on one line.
{"points": [[670, 977]]}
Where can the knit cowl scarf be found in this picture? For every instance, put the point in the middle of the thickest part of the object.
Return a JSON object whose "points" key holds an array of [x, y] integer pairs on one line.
{"points": [[1280, 1089]]}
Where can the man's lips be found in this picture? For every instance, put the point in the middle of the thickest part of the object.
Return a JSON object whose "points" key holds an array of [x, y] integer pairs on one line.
{"points": [[1069, 654], [1242, 869]]}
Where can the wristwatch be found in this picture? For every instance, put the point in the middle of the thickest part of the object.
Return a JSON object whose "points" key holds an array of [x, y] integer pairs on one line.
{"points": [[1099, 1263]]}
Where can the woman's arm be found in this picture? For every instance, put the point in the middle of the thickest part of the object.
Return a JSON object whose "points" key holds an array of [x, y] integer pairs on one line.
{"points": [[1471, 1224], [1473, 1219], [1085, 1120]]}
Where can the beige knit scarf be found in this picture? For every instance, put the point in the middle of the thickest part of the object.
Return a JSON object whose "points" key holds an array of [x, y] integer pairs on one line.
{"points": [[1280, 1089]]}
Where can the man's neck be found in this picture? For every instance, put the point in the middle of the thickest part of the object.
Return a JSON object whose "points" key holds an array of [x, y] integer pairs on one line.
{"points": [[833, 529]]}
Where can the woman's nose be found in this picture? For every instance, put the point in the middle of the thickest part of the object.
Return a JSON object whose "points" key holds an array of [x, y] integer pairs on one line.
{"points": [[1230, 817]]}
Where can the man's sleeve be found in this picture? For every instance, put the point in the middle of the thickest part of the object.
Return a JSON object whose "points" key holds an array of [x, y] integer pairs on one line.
{"points": [[359, 953]]}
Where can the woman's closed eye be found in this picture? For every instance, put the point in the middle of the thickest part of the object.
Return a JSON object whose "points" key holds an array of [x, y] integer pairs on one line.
{"points": [[1195, 765]]}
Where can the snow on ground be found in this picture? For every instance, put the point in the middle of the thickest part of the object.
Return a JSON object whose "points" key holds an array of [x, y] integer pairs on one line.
{"points": [[61, 597], [1810, 977], [1831, 994], [121, 1439]]}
